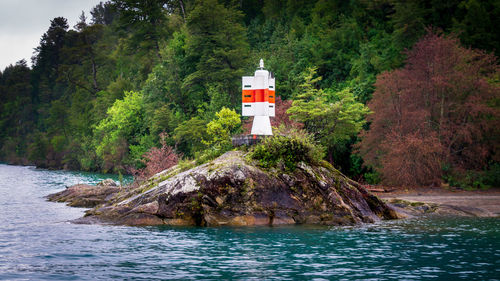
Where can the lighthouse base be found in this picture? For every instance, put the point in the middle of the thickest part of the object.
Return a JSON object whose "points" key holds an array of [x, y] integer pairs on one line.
{"points": [[262, 126]]}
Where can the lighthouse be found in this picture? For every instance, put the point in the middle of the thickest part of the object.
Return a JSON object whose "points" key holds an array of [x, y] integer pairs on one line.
{"points": [[258, 99]]}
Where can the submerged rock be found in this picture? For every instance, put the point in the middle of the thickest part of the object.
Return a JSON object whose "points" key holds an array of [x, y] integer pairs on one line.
{"points": [[232, 190]]}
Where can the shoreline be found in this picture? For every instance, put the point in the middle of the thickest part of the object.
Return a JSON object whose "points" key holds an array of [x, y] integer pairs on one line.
{"points": [[480, 203]]}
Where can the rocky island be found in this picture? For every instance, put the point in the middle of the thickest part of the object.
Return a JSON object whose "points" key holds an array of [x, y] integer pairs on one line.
{"points": [[232, 190]]}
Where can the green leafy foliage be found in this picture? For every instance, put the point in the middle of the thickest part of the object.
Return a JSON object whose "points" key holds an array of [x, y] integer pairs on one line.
{"points": [[220, 130], [472, 180], [183, 62], [189, 136], [123, 126], [332, 117], [287, 151], [216, 45]]}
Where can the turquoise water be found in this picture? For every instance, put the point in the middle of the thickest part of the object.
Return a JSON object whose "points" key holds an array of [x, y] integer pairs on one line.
{"points": [[37, 243]]}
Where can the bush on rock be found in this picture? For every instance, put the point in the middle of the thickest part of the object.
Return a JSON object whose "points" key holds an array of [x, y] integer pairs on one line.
{"points": [[287, 150]]}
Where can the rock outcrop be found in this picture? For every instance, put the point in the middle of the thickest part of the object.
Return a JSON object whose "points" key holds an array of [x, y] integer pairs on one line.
{"points": [[84, 195], [232, 190], [107, 182], [409, 207]]}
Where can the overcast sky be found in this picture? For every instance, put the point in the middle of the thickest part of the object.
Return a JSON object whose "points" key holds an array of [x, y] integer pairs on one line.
{"points": [[22, 23]]}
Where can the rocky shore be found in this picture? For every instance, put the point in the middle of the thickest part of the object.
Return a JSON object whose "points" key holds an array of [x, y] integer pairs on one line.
{"points": [[445, 202], [87, 196], [232, 190]]}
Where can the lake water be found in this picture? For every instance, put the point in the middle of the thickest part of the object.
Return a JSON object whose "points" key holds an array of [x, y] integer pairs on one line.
{"points": [[37, 243]]}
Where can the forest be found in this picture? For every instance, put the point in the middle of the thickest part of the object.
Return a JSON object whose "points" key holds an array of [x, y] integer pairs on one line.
{"points": [[403, 93]]}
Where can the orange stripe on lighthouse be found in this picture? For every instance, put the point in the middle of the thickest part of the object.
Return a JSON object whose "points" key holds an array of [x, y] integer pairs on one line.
{"points": [[260, 95], [270, 95], [248, 96]]}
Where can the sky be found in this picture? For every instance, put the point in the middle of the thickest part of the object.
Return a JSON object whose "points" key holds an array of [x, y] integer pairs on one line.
{"points": [[22, 23]]}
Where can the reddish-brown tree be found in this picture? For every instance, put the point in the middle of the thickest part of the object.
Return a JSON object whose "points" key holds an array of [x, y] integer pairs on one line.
{"points": [[281, 117], [436, 110], [157, 160]]}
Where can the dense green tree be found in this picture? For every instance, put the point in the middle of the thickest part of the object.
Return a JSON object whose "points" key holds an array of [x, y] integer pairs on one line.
{"points": [[189, 136], [104, 99], [332, 117], [216, 45], [164, 84], [476, 23], [220, 130], [147, 21], [46, 60], [104, 13], [81, 64], [16, 107], [408, 22], [123, 126]]}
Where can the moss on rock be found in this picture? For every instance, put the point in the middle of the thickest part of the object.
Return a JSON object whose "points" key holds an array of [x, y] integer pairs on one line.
{"points": [[231, 190]]}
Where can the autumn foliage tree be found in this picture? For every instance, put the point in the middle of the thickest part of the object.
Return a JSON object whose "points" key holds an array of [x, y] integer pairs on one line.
{"points": [[439, 110], [157, 160]]}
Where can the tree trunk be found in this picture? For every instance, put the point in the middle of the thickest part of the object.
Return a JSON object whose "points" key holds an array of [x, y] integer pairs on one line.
{"points": [[94, 75], [181, 3]]}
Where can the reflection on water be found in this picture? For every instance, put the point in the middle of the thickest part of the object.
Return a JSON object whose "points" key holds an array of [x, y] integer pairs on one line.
{"points": [[37, 243]]}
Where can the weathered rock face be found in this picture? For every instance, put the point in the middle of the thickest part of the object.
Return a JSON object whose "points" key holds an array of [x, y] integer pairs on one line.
{"points": [[232, 191], [84, 195]]}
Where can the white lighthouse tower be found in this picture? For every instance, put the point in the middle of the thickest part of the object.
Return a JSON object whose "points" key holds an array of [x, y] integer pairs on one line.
{"points": [[258, 100]]}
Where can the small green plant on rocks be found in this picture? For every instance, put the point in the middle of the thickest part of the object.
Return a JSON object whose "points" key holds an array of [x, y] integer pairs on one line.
{"points": [[287, 150]]}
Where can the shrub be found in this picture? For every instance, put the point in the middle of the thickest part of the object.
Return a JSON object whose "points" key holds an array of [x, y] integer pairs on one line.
{"points": [[372, 177], [472, 180], [186, 164], [219, 130], [157, 160], [287, 150], [210, 154]]}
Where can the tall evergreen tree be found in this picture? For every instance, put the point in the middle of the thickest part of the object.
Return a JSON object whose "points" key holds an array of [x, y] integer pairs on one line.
{"points": [[146, 19], [47, 58], [217, 46]]}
